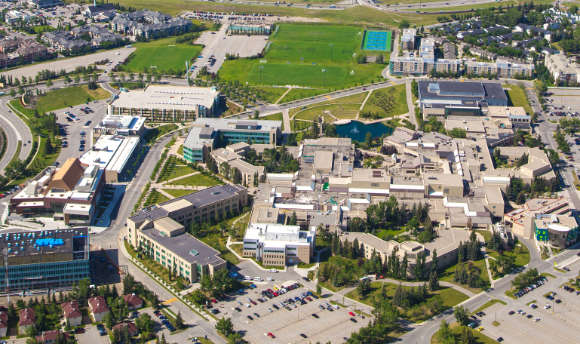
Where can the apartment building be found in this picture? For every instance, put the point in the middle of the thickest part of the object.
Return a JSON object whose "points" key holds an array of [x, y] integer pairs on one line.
{"points": [[279, 245], [408, 39], [501, 68], [564, 69], [160, 230]]}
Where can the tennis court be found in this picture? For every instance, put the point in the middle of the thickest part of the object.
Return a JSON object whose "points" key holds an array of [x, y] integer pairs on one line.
{"points": [[377, 41]]}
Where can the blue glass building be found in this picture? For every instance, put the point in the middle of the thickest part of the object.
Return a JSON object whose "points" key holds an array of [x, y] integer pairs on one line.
{"points": [[43, 259]]}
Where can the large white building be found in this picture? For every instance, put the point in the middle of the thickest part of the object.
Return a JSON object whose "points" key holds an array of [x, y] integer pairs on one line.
{"points": [[113, 154], [121, 125], [276, 244], [167, 103]]}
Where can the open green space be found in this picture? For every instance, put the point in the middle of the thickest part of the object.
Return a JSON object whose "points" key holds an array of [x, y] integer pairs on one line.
{"points": [[331, 110], [162, 55], [386, 102], [301, 93], [319, 55], [155, 197], [457, 333], [517, 97], [448, 274], [216, 235], [270, 94], [445, 298], [68, 96], [275, 117], [174, 167], [520, 254], [199, 179], [178, 192]]}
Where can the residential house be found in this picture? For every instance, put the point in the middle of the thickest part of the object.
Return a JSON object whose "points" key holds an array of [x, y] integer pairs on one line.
{"points": [[98, 307], [72, 313]]}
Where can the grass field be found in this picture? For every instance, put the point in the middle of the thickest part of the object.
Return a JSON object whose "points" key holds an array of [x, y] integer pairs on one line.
{"points": [[197, 180], [163, 55], [387, 102], [478, 337], [301, 93], [155, 197], [307, 55], [449, 297], [174, 167], [517, 97], [449, 274], [270, 94], [69, 96], [178, 192], [332, 110]]}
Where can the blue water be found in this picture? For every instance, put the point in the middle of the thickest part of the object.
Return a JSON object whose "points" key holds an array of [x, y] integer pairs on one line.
{"points": [[358, 131]]}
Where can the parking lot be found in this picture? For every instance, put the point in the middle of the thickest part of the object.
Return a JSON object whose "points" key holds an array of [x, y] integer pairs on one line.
{"points": [[73, 127], [310, 320], [535, 318], [563, 102]]}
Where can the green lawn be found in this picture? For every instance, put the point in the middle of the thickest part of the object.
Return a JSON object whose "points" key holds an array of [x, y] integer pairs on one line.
{"points": [[520, 252], [331, 110], [449, 274], [301, 93], [479, 338], [270, 94], [69, 96], [517, 97], [163, 55], [449, 297], [178, 192], [198, 180], [319, 55], [174, 167], [155, 197], [387, 102]]}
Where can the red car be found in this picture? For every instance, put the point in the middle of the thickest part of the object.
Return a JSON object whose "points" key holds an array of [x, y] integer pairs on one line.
{"points": [[271, 335], [213, 300], [351, 314]]}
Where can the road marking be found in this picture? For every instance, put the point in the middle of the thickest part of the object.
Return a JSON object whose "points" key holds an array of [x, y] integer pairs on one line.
{"points": [[166, 302], [328, 97]]}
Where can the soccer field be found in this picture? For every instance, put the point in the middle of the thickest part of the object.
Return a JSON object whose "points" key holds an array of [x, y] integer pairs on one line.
{"points": [[316, 55], [377, 40], [163, 55]]}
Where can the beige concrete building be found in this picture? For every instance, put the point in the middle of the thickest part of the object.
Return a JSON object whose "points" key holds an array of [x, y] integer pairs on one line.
{"points": [[446, 245], [563, 68], [160, 231], [231, 157], [538, 165]]}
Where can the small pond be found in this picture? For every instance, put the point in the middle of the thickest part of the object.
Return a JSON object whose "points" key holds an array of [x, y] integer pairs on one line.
{"points": [[358, 131]]}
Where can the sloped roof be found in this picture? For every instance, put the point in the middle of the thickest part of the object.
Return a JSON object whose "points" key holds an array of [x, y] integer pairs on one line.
{"points": [[68, 175]]}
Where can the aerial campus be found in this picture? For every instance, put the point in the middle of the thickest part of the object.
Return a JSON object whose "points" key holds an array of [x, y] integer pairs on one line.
{"points": [[329, 171]]}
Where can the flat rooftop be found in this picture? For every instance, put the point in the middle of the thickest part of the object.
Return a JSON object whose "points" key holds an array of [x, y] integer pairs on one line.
{"points": [[27, 247], [196, 200], [168, 98], [187, 247], [226, 124]]}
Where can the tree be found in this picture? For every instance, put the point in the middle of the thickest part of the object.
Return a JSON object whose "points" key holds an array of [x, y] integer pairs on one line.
{"points": [[108, 320], [293, 219], [224, 326], [433, 280], [198, 297], [461, 315], [179, 321], [318, 289], [364, 287]]}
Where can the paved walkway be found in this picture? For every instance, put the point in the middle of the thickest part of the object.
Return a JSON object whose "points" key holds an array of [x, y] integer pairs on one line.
{"points": [[286, 119], [410, 104]]}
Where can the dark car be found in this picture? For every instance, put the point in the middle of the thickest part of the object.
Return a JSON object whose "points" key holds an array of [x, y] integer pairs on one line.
{"points": [[215, 311], [315, 315], [249, 317], [303, 335], [500, 339], [511, 313], [101, 329]]}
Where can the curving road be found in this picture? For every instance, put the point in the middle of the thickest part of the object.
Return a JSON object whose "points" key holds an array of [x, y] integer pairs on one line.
{"points": [[16, 131]]}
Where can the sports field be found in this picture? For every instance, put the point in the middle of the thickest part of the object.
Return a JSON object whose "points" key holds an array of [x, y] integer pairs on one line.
{"points": [[163, 55], [318, 55], [377, 40]]}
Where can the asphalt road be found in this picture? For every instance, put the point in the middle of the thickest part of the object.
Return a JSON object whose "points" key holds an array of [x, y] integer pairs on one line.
{"points": [[16, 130]]}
